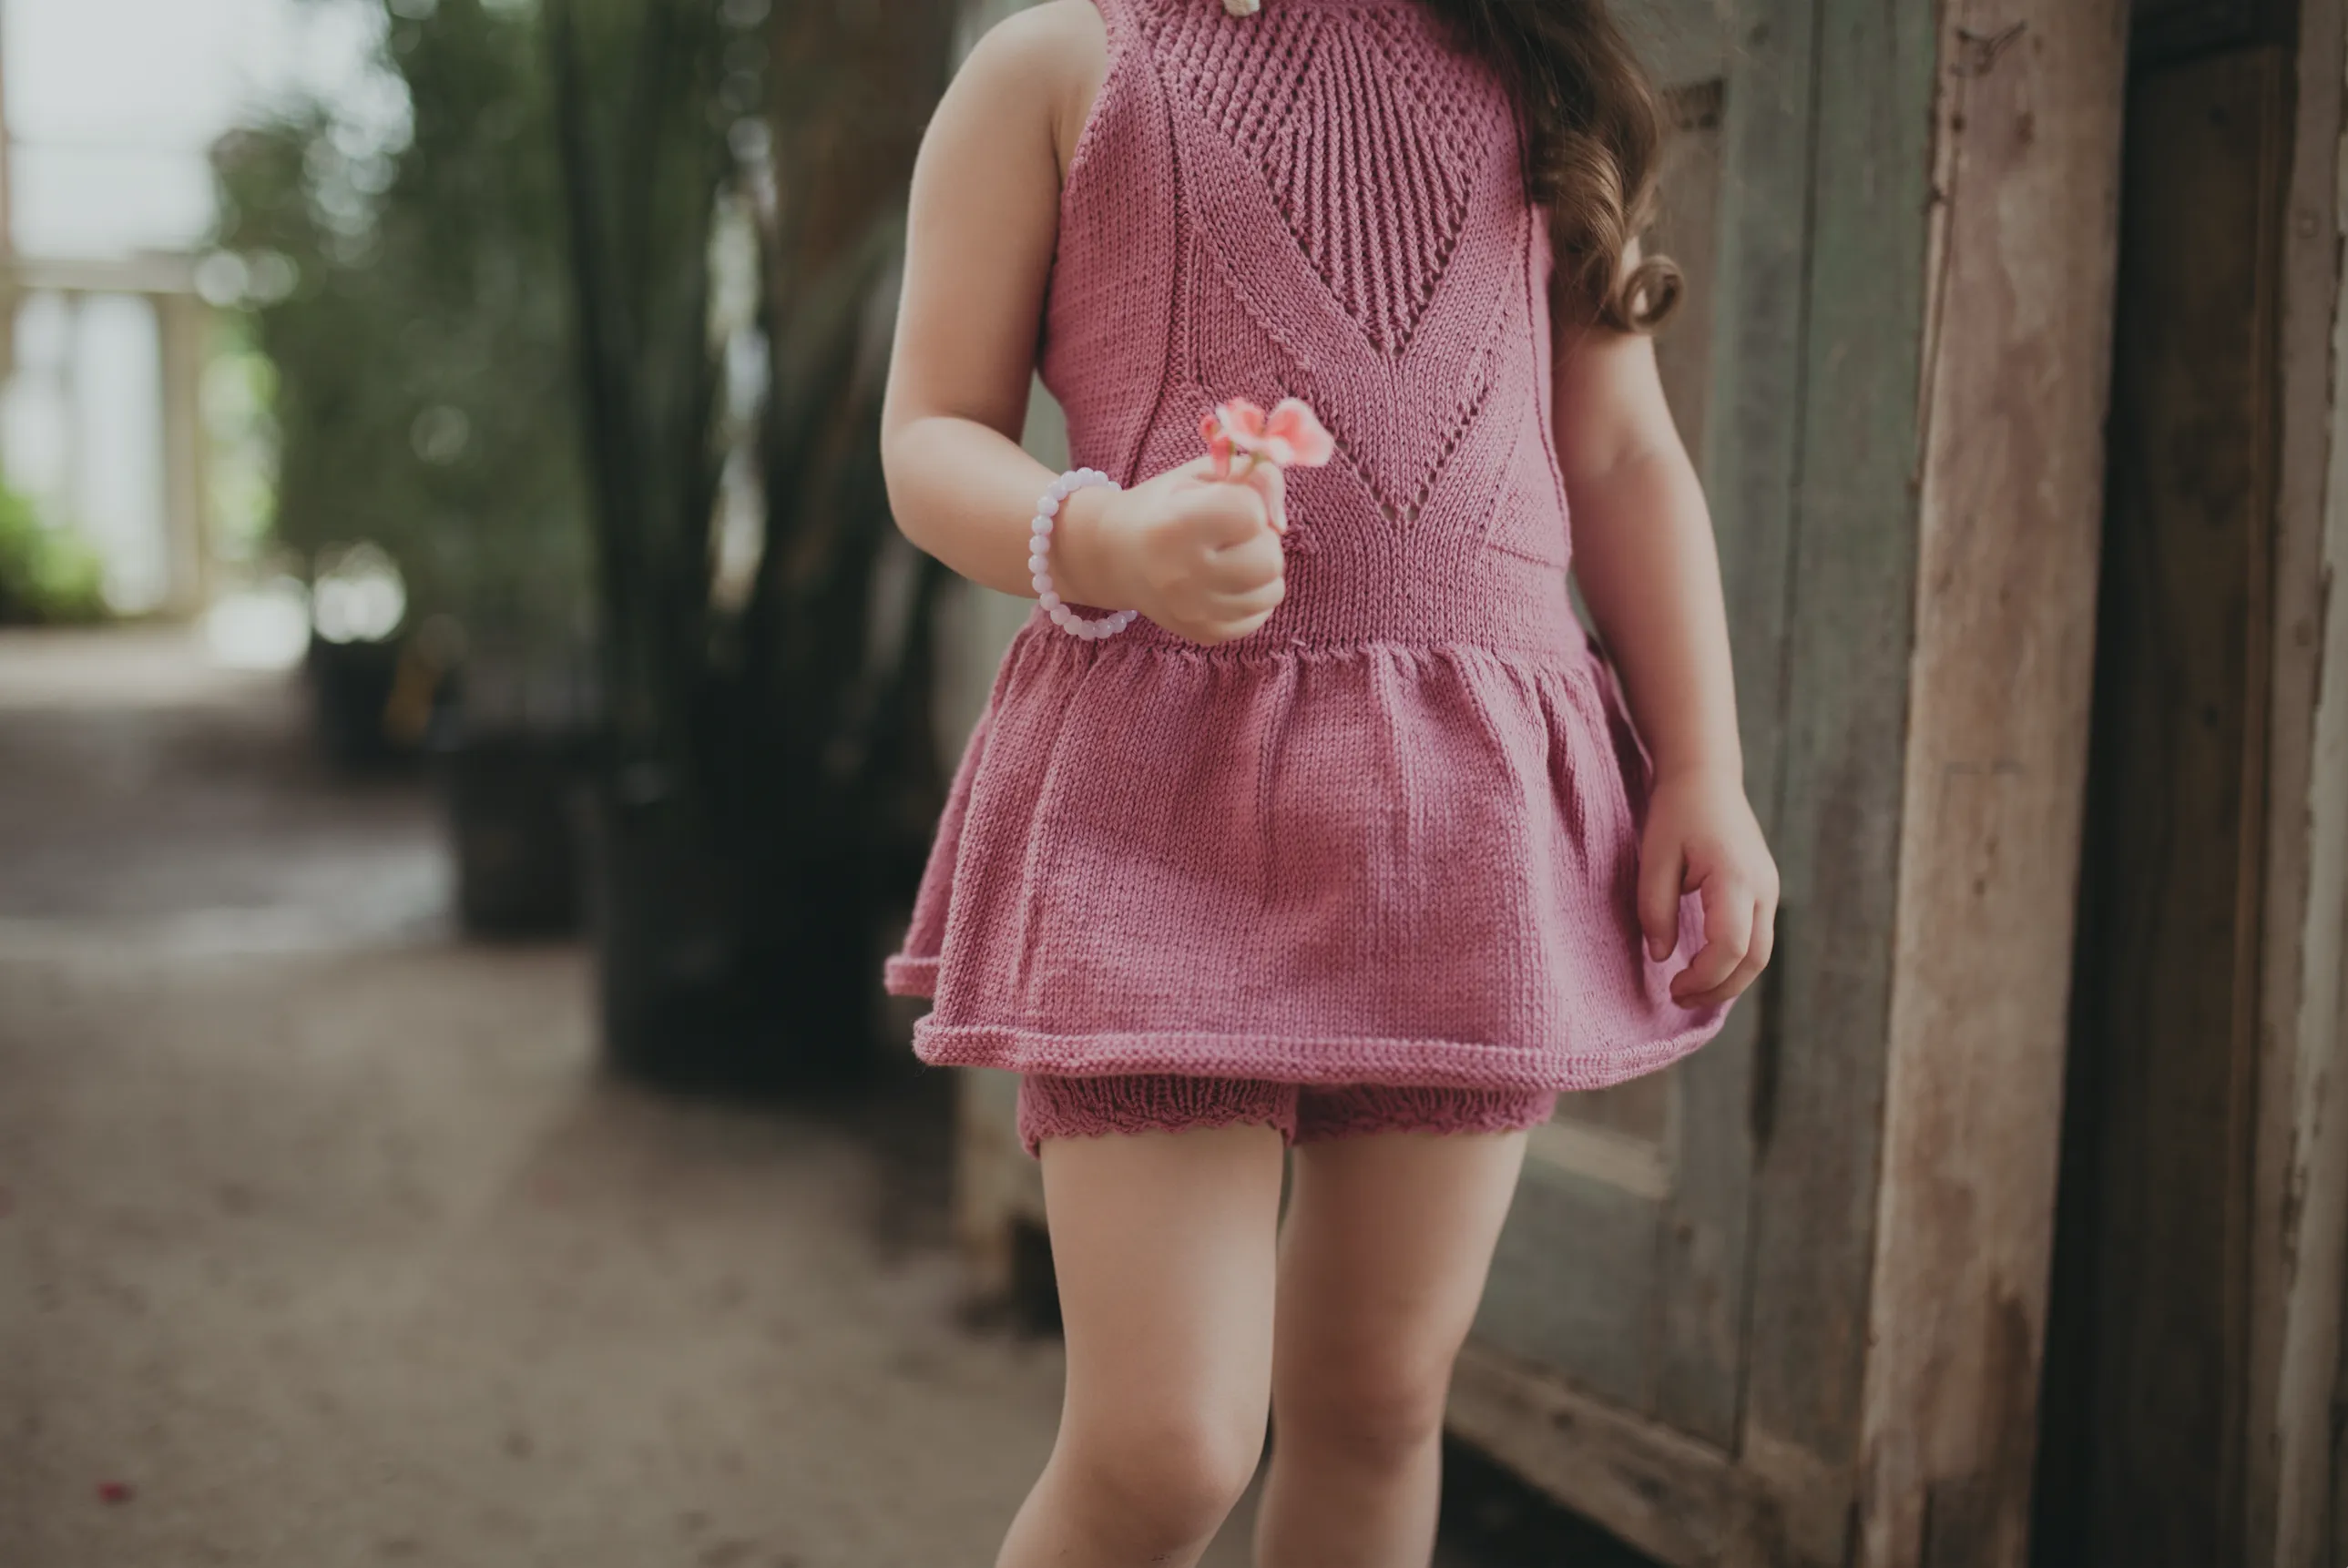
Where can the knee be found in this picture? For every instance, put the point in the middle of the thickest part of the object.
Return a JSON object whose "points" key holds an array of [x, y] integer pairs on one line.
{"points": [[1166, 1484], [1380, 1414]]}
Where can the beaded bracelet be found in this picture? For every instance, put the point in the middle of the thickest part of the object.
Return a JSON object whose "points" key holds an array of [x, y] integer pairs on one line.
{"points": [[1039, 546]]}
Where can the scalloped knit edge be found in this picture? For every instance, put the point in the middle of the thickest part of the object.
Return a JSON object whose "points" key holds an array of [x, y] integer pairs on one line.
{"points": [[1430, 1063]]}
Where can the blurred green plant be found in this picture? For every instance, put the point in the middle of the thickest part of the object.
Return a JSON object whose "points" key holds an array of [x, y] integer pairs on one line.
{"points": [[412, 296], [47, 575], [772, 783]]}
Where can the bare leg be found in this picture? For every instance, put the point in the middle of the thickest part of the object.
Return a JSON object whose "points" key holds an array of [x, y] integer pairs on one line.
{"points": [[1164, 1246], [1388, 1241]]}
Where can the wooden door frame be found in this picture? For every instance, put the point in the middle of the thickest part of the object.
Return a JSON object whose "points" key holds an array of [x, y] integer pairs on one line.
{"points": [[2026, 194], [2295, 1485]]}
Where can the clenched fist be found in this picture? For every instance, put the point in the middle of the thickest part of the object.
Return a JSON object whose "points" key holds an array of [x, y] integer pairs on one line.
{"points": [[1199, 555]]}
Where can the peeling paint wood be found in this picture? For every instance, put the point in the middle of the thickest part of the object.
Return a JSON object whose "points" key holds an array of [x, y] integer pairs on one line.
{"points": [[2014, 389]]}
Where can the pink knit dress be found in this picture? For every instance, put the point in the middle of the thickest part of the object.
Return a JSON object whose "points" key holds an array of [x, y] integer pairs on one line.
{"points": [[1391, 837]]}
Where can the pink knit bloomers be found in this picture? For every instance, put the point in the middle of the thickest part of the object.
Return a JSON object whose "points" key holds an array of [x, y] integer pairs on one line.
{"points": [[1050, 1106]]}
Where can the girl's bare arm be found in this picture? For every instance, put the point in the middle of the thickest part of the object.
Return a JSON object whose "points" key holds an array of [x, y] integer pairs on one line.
{"points": [[1196, 556], [981, 225], [1649, 571]]}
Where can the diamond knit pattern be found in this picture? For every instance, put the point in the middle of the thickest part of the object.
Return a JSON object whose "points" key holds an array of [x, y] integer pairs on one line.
{"points": [[1391, 837], [1352, 121]]}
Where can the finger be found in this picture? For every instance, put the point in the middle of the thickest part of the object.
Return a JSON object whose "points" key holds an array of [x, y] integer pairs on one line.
{"points": [[1223, 628], [1765, 932], [1257, 601], [1727, 933], [1661, 869], [1232, 514], [1244, 567], [1749, 969], [1270, 481]]}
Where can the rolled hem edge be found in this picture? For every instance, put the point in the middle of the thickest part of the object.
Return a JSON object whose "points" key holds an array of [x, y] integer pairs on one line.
{"points": [[903, 975], [1440, 1063]]}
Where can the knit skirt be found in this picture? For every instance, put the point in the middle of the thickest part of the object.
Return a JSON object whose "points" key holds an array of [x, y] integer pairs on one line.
{"points": [[1382, 862]]}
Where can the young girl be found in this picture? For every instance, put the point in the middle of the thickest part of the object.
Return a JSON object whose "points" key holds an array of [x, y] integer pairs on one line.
{"points": [[1303, 810]]}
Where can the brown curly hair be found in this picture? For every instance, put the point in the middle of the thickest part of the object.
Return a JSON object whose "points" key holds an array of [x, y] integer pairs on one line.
{"points": [[1593, 132]]}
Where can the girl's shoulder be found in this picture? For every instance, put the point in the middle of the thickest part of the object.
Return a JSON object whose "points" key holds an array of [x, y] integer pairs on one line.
{"points": [[1053, 54]]}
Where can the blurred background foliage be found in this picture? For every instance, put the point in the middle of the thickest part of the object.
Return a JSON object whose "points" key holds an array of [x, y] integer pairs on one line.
{"points": [[736, 188], [47, 574], [413, 301], [589, 356]]}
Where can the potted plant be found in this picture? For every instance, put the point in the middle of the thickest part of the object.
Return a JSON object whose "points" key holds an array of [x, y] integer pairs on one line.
{"points": [[767, 780]]}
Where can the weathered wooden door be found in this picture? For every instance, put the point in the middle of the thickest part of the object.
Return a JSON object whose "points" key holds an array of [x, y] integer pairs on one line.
{"points": [[1623, 1267], [1781, 1304]]}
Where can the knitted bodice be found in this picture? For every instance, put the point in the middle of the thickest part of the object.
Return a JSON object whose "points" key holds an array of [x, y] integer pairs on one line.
{"points": [[1323, 198]]}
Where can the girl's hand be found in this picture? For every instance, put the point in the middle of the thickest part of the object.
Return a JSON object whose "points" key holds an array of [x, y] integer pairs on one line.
{"points": [[1701, 838], [1199, 556]]}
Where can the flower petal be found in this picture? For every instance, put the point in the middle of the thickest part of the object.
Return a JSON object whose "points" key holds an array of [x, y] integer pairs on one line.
{"points": [[1242, 421], [1294, 422]]}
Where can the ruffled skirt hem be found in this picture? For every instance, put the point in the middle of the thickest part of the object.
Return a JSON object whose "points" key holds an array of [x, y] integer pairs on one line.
{"points": [[1380, 863]]}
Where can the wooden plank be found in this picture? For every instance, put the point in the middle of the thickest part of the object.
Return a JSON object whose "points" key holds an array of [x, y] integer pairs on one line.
{"points": [[2014, 392], [1698, 1245], [1687, 230], [1558, 1294], [1575, 1282], [2166, 30], [1624, 1262], [1683, 1501], [2299, 1216], [1847, 629], [1746, 440], [1670, 1497], [2336, 1503], [2146, 1400], [1639, 1166]]}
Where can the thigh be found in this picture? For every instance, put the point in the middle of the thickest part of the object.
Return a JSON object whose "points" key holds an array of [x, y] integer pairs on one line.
{"points": [[1383, 1255], [1164, 1247]]}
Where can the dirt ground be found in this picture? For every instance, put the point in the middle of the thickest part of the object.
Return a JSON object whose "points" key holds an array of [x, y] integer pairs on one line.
{"points": [[324, 1241]]}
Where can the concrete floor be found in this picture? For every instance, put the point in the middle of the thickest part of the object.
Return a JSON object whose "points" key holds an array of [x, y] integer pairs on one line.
{"points": [[324, 1242]]}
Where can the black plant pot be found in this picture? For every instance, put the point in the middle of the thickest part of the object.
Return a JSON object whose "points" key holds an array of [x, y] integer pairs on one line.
{"points": [[504, 799], [350, 691], [713, 975]]}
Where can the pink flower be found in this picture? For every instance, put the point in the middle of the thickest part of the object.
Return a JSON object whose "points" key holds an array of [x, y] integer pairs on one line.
{"points": [[1290, 435], [1218, 446]]}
